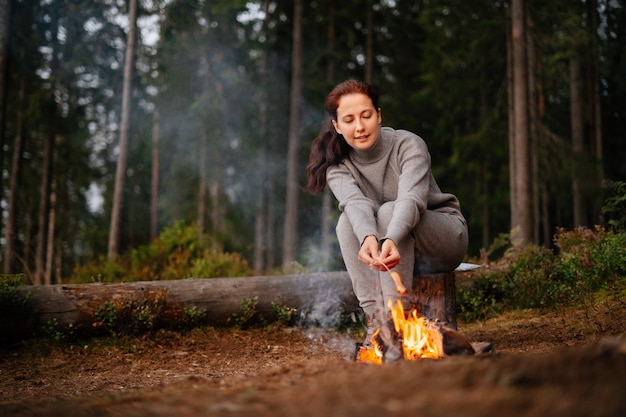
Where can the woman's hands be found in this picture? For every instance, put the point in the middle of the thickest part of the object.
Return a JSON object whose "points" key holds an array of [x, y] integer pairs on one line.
{"points": [[387, 258]]}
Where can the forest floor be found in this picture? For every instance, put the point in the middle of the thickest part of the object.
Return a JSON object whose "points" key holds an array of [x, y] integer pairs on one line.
{"points": [[557, 363]]}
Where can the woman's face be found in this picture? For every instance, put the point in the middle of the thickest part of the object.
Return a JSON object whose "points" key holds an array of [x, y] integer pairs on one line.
{"points": [[358, 120]]}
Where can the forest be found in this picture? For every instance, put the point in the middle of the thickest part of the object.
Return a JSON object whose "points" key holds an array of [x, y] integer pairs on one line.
{"points": [[120, 119]]}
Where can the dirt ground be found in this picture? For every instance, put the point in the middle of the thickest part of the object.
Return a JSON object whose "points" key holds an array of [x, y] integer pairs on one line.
{"points": [[567, 363]]}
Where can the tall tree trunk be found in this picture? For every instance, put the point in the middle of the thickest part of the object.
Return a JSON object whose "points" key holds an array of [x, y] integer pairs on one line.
{"points": [[154, 186], [5, 23], [534, 145], [290, 231], [576, 120], [326, 196], [44, 210], [260, 188], [595, 111], [50, 249], [14, 185], [216, 187], [521, 224], [203, 149], [202, 183], [511, 121], [369, 42], [122, 159]]}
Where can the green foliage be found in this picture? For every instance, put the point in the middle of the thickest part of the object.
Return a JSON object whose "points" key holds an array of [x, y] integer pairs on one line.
{"points": [[248, 316], [179, 252], [614, 208], [586, 262], [591, 260], [53, 332], [11, 299], [131, 316], [192, 317], [220, 264], [285, 315]]}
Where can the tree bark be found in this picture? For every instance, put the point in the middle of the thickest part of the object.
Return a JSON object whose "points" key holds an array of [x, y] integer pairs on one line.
{"points": [[50, 246], [14, 185], [576, 120], [290, 230], [595, 110], [326, 224], [434, 296], [533, 138], [369, 42], [5, 24], [122, 160], [511, 130], [521, 224], [154, 186], [44, 210], [74, 306]]}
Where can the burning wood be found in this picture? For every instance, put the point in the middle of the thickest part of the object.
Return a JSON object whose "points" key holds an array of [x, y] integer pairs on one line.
{"points": [[372, 354], [420, 337]]}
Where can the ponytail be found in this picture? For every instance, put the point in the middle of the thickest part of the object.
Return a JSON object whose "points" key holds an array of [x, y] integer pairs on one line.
{"points": [[327, 149]]}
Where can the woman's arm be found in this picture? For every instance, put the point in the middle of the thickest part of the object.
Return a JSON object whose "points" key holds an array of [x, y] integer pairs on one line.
{"points": [[359, 208], [413, 161]]}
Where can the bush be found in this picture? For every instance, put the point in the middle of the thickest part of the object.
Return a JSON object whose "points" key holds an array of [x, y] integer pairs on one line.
{"points": [[12, 301], [179, 252], [587, 261], [614, 208]]}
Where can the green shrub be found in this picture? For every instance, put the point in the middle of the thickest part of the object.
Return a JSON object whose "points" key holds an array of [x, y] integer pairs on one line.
{"points": [[591, 260], [131, 315], [614, 207], [179, 252], [586, 261], [482, 297], [13, 301]]}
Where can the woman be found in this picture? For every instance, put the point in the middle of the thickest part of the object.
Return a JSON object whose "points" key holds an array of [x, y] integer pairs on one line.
{"points": [[393, 214]]}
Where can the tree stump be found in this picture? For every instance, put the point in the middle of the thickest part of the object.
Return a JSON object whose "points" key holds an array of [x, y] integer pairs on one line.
{"points": [[434, 297]]}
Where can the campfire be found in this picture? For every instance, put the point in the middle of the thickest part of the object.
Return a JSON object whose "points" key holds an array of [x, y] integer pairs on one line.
{"points": [[420, 338]]}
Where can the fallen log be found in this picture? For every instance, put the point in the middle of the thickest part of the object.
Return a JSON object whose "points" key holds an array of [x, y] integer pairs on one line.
{"points": [[318, 298], [82, 308]]}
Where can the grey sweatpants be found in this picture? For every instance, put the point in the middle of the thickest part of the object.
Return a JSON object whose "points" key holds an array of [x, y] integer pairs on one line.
{"points": [[438, 244]]}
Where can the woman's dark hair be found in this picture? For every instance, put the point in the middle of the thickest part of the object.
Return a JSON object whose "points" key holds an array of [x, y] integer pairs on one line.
{"points": [[329, 148]]}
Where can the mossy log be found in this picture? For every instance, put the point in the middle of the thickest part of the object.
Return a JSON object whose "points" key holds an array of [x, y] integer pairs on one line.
{"points": [[315, 296], [75, 306]]}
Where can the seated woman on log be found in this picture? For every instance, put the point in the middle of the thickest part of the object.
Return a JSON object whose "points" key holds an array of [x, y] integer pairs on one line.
{"points": [[393, 214]]}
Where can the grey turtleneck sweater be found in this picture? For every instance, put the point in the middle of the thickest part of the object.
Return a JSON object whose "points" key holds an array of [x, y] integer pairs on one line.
{"points": [[396, 168]]}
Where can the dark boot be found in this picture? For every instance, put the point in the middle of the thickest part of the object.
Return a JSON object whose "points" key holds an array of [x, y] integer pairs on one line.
{"points": [[372, 326], [392, 343]]}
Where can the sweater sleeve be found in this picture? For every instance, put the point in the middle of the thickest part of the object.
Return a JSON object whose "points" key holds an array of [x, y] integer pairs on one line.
{"points": [[413, 187], [359, 209]]}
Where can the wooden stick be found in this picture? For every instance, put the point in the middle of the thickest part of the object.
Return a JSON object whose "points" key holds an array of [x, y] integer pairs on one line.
{"points": [[397, 279]]}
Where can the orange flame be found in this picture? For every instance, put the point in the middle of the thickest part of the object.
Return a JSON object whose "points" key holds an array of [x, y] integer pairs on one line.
{"points": [[372, 354], [420, 339]]}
